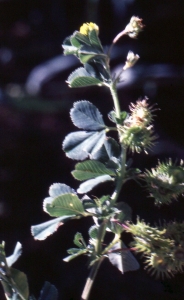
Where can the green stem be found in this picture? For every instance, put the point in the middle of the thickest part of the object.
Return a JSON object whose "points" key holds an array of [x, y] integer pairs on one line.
{"points": [[90, 279], [113, 90], [114, 94]]}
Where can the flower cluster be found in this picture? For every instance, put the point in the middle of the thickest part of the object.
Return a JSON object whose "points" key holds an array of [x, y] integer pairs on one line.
{"points": [[137, 132], [162, 247], [86, 27], [165, 182]]}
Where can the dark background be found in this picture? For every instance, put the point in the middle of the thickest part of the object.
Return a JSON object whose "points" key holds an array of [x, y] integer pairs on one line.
{"points": [[34, 119]]}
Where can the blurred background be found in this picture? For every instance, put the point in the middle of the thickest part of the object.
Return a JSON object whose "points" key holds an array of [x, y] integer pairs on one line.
{"points": [[34, 119]]}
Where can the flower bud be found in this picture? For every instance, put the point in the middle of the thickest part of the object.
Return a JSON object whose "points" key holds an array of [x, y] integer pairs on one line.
{"points": [[134, 27], [131, 60]]}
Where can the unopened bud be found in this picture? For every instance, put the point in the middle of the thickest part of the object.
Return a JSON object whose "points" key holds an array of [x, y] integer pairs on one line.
{"points": [[131, 60], [134, 27]]}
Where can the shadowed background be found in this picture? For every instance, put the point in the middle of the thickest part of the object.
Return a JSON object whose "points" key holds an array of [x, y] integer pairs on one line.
{"points": [[34, 119]]}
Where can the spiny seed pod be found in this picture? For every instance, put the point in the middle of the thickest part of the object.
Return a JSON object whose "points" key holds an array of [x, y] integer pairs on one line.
{"points": [[165, 182], [137, 132], [136, 137], [162, 247], [142, 112], [160, 266]]}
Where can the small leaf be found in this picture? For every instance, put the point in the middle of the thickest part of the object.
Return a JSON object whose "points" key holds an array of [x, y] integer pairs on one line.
{"points": [[126, 212], [57, 189], [70, 257], [83, 39], [123, 259], [68, 47], [81, 78], [16, 254], [108, 151], [93, 232], [48, 292], [43, 230], [79, 145], [94, 39], [91, 169], [21, 283], [64, 205], [79, 240], [85, 115], [90, 184]]}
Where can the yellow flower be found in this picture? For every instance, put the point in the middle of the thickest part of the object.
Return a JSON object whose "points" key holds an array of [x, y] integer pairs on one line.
{"points": [[86, 27]]}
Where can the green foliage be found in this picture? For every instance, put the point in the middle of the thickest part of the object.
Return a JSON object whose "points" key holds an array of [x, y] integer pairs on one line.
{"points": [[105, 160]]}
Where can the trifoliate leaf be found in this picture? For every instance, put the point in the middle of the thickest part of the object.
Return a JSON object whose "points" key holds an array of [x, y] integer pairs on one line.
{"points": [[42, 231], [64, 205], [79, 145], [91, 169], [86, 116], [81, 78], [122, 259], [90, 184], [57, 189], [48, 292]]}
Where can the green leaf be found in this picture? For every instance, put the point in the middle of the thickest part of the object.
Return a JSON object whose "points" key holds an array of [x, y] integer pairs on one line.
{"points": [[90, 184], [16, 254], [70, 257], [79, 240], [83, 39], [93, 232], [48, 292], [123, 259], [57, 189], [81, 78], [68, 47], [79, 145], [64, 205], [126, 212], [109, 150], [16, 285], [91, 169], [85, 115], [42, 231], [94, 39]]}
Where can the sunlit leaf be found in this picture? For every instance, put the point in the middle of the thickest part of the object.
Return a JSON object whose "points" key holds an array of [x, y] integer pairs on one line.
{"points": [[122, 258], [90, 184], [64, 205], [57, 189], [43, 230], [16, 254], [86, 116], [79, 145], [90, 169], [93, 232], [81, 78]]}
